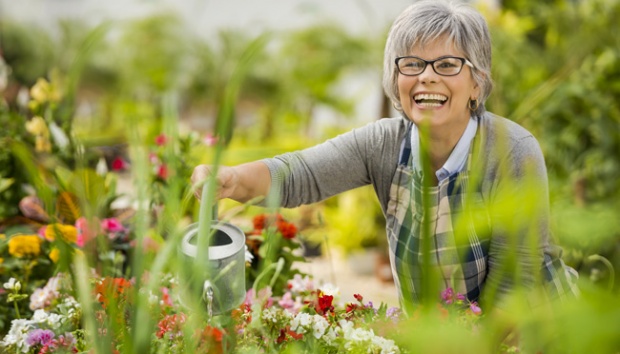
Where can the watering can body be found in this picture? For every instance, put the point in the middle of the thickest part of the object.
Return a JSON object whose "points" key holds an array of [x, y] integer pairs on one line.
{"points": [[220, 282]]}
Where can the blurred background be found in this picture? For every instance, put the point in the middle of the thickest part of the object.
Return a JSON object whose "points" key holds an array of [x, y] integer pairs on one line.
{"points": [[315, 72]]}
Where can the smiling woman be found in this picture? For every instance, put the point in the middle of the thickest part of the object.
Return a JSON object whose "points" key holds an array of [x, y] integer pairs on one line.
{"points": [[464, 191]]}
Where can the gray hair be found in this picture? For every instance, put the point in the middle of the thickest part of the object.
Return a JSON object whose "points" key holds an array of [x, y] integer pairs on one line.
{"points": [[425, 21]]}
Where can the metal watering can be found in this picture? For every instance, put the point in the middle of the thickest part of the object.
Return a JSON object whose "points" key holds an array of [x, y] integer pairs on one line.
{"points": [[220, 282]]}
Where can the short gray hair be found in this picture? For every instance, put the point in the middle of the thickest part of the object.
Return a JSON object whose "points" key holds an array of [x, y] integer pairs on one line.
{"points": [[425, 21]]}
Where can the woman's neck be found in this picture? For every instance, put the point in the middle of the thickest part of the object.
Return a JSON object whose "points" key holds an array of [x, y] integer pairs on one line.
{"points": [[440, 143]]}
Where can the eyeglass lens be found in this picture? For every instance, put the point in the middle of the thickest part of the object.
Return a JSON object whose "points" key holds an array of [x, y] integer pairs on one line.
{"points": [[448, 66]]}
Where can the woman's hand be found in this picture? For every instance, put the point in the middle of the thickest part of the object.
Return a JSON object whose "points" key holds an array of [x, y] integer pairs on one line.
{"points": [[226, 180], [241, 183]]}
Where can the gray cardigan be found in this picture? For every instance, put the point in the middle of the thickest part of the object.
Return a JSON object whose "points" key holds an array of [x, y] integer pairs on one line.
{"points": [[506, 156], [369, 155]]}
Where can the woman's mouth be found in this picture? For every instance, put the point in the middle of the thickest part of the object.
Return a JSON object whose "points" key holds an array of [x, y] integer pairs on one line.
{"points": [[430, 100]]}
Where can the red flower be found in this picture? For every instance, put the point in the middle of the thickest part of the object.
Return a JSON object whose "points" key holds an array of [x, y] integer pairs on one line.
{"points": [[161, 140], [118, 164], [259, 222], [324, 304], [172, 324], [287, 229], [210, 340], [351, 307], [286, 333], [162, 171], [358, 297]]}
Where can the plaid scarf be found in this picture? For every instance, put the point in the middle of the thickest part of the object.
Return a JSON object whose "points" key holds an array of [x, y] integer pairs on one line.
{"points": [[459, 229]]}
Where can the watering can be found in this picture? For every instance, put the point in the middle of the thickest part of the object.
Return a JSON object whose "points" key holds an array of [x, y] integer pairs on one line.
{"points": [[220, 282]]}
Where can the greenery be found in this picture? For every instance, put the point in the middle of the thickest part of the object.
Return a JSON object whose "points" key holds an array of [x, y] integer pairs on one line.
{"points": [[90, 107]]}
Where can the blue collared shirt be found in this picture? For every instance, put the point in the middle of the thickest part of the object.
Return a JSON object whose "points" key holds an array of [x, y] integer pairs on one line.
{"points": [[458, 157]]}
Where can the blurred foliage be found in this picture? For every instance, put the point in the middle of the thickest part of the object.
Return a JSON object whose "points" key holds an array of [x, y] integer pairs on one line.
{"points": [[556, 70], [559, 82]]}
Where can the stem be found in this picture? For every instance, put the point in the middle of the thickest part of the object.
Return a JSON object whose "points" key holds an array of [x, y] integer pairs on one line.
{"points": [[15, 306]]}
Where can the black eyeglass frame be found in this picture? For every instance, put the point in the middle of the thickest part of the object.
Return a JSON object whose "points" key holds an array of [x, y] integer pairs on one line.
{"points": [[432, 63]]}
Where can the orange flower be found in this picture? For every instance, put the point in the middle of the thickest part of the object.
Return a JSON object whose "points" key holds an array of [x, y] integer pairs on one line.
{"points": [[68, 233], [24, 245], [116, 288]]}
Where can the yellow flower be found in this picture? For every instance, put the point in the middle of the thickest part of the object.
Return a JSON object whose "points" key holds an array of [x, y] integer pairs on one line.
{"points": [[43, 91], [37, 127], [42, 144], [24, 245], [67, 232], [40, 91], [55, 255]]}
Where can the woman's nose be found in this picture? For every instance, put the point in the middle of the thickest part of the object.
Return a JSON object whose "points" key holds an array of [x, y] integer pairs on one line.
{"points": [[428, 75]]}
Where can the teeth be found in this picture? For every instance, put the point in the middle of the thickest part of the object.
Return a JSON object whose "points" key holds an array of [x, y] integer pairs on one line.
{"points": [[428, 96], [430, 104]]}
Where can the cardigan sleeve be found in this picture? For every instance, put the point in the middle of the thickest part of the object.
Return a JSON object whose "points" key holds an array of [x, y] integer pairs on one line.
{"points": [[366, 155], [521, 252]]}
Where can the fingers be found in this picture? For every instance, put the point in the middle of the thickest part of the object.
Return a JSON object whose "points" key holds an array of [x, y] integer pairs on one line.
{"points": [[199, 178]]}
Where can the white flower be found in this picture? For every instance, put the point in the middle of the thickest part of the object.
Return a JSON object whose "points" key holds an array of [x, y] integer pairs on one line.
{"points": [[18, 334], [319, 326], [301, 322], [270, 315], [37, 299], [102, 167], [248, 256], [299, 284], [13, 284], [59, 135], [330, 289]]}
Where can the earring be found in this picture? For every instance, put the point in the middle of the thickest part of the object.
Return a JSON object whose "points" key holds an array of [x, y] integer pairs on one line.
{"points": [[473, 105]]}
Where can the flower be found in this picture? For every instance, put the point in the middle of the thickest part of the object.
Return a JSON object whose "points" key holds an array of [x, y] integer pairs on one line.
{"points": [[162, 171], [39, 337], [161, 140], [24, 246], [37, 127], [12, 284], [475, 309], [112, 225], [68, 233], [287, 229], [117, 288], [210, 139], [54, 255], [118, 164], [87, 230], [172, 325]]}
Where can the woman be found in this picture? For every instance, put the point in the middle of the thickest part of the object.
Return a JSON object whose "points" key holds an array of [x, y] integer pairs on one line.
{"points": [[446, 168]]}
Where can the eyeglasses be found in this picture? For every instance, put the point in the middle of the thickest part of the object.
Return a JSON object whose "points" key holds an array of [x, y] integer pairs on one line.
{"points": [[444, 66]]}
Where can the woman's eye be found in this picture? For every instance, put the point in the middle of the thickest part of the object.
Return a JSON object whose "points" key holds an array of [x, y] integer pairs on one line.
{"points": [[446, 64]]}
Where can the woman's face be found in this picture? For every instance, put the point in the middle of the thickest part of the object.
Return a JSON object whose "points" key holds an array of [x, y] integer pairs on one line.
{"points": [[447, 108]]}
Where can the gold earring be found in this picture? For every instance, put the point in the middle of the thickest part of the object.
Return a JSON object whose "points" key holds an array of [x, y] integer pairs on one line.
{"points": [[473, 105]]}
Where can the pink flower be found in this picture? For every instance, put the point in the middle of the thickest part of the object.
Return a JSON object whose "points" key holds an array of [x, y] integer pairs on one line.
{"points": [[210, 140], [86, 231], [112, 225], [475, 308], [447, 296], [153, 158], [161, 140], [39, 336]]}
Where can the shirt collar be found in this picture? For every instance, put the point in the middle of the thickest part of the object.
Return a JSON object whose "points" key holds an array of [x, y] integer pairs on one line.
{"points": [[458, 157]]}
